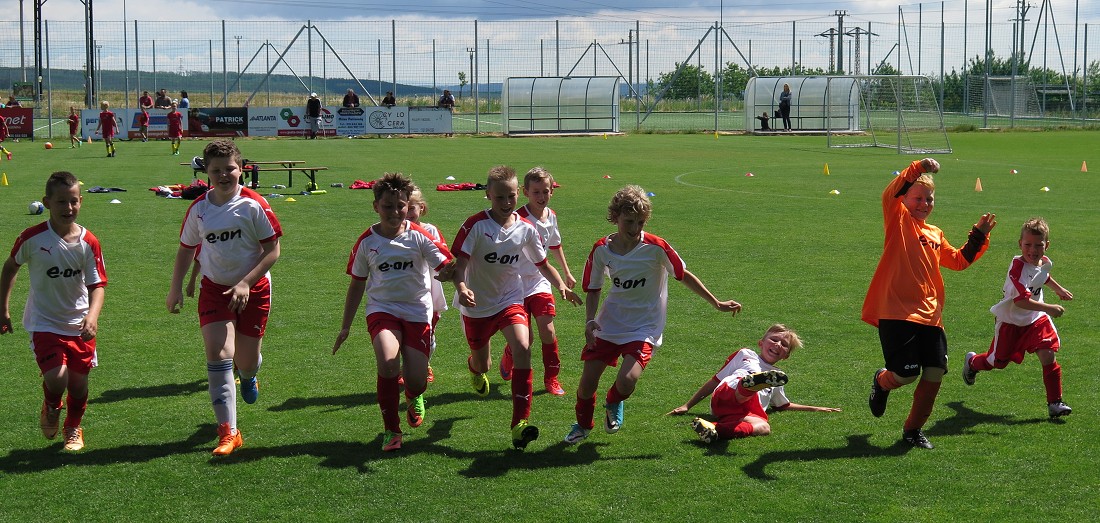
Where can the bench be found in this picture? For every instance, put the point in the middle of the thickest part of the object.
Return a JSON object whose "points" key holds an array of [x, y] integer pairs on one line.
{"points": [[287, 166]]}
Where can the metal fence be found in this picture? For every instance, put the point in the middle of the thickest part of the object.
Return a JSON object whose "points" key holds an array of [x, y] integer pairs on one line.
{"points": [[231, 63]]}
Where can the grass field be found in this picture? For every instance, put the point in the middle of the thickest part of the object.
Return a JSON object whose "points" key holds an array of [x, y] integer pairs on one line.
{"points": [[778, 242]]}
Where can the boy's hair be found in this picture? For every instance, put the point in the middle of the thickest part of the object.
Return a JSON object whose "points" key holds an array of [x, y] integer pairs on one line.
{"points": [[630, 199], [221, 149], [502, 174], [417, 198], [537, 174], [1037, 226], [393, 182], [793, 340], [104, 105], [927, 181], [60, 179]]}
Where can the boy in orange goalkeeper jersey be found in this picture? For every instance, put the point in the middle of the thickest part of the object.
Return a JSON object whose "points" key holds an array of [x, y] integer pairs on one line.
{"points": [[906, 296]]}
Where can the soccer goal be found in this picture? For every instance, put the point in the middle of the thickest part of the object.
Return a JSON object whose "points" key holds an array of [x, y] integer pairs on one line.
{"points": [[1005, 96], [894, 111]]}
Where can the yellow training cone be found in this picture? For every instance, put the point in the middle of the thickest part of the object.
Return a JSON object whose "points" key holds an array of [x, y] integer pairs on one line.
{"points": [[978, 185], [4, 179], [826, 169], [1084, 168]]}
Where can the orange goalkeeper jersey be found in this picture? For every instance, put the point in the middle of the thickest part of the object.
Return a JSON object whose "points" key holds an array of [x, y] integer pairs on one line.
{"points": [[907, 284]]}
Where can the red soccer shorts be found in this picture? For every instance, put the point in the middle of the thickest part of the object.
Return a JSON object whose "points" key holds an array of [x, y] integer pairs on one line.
{"points": [[411, 334], [479, 330], [540, 304], [53, 350], [214, 307], [1011, 342], [609, 353], [724, 405]]}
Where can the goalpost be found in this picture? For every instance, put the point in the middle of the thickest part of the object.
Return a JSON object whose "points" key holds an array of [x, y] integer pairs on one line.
{"points": [[1005, 96], [894, 111]]}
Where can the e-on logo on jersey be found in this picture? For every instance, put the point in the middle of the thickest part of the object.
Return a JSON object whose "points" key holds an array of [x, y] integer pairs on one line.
{"points": [[223, 236], [58, 272], [503, 259], [628, 284], [398, 265]]}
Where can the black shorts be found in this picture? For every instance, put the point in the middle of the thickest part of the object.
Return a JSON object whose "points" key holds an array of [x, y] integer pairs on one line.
{"points": [[908, 346]]}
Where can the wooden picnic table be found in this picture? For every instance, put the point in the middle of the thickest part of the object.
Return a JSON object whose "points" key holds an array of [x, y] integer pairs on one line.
{"points": [[287, 166]]}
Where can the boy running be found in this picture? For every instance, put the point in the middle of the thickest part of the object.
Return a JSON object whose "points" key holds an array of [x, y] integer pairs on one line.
{"points": [[239, 235], [108, 126], [1024, 320], [906, 296], [631, 322], [74, 128], [492, 248], [175, 128], [67, 287]]}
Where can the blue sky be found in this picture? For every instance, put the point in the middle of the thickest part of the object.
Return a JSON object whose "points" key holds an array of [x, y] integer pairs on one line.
{"points": [[666, 10]]}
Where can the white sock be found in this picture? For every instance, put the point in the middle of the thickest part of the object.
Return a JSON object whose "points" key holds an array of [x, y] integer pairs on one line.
{"points": [[223, 393]]}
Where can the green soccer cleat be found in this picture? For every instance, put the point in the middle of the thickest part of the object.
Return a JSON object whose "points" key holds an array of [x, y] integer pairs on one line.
{"points": [[480, 384], [415, 413], [524, 433]]}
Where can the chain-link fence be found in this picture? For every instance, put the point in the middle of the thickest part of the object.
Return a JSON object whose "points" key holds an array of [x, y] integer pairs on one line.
{"points": [[677, 76]]}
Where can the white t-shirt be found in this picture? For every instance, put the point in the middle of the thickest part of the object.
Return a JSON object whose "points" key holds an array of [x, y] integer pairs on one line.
{"points": [[551, 238], [230, 234], [745, 362], [637, 302], [1022, 282], [496, 256], [61, 275], [439, 300], [398, 272]]}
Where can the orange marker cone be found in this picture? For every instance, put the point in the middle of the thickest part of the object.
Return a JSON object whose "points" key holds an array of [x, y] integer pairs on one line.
{"points": [[89, 138], [826, 169], [978, 185], [1084, 168]]}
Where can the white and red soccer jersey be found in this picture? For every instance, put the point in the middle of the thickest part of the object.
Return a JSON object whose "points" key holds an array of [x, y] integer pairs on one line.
{"points": [[399, 272], [745, 362], [230, 234], [637, 302], [439, 300], [551, 238], [61, 275], [1023, 281], [175, 124], [496, 256]]}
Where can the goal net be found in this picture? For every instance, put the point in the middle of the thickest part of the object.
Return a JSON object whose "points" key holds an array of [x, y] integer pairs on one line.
{"points": [[1003, 96], [893, 111]]}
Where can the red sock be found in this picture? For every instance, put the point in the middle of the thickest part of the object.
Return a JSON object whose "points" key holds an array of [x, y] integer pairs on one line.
{"points": [[980, 362], [586, 408], [521, 395], [551, 360], [412, 394], [1052, 381], [741, 429], [614, 396], [924, 398], [53, 401], [888, 381], [388, 398], [470, 364], [76, 408]]}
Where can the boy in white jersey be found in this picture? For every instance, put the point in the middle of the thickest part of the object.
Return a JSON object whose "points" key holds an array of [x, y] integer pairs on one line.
{"points": [[1023, 318], [239, 235], [418, 207], [631, 321], [538, 187], [745, 387], [393, 262], [492, 248], [67, 287]]}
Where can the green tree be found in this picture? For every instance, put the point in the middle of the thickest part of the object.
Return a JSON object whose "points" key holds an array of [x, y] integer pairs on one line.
{"points": [[461, 82], [691, 82]]}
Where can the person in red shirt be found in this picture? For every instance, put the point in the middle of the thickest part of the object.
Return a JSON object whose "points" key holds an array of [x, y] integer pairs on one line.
{"points": [[143, 124], [905, 299], [108, 126], [146, 101], [74, 127], [175, 128]]}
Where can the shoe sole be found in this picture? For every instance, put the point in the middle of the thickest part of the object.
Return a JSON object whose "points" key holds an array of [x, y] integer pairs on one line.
{"points": [[570, 439], [705, 433], [220, 452], [877, 392], [527, 435], [758, 381], [968, 375]]}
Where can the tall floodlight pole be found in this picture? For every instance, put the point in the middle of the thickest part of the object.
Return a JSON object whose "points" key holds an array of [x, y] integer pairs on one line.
{"points": [[22, 51], [238, 39]]}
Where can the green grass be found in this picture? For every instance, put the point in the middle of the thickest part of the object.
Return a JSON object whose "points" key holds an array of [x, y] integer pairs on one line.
{"points": [[778, 242]]}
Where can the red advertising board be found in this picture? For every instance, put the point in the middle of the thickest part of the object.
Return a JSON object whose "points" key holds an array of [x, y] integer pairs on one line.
{"points": [[20, 121]]}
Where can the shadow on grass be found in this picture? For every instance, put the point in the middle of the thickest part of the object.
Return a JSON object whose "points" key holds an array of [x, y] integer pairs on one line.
{"points": [[349, 401], [964, 421], [22, 461], [152, 391]]}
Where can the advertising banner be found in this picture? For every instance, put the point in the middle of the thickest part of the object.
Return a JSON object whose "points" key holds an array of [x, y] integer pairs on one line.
{"points": [[158, 124], [351, 121], [217, 121], [20, 121], [388, 120], [263, 121], [89, 120], [289, 121], [430, 120]]}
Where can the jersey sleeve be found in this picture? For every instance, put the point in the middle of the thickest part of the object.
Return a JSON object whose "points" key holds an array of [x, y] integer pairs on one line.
{"points": [[358, 264], [189, 230], [594, 268], [95, 272], [433, 251]]}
